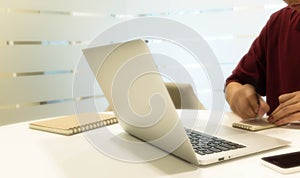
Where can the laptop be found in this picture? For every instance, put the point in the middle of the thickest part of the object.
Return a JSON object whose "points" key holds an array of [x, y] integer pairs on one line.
{"points": [[134, 88]]}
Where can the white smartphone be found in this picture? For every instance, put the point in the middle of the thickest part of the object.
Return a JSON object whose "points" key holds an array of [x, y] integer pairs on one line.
{"points": [[283, 163]]}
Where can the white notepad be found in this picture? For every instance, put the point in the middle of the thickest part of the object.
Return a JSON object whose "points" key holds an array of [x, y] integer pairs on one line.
{"points": [[253, 124]]}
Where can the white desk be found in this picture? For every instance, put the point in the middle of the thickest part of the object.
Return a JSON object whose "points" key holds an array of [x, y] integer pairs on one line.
{"points": [[35, 154]]}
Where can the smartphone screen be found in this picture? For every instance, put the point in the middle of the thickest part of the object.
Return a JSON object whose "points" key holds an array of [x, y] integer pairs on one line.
{"points": [[285, 161]]}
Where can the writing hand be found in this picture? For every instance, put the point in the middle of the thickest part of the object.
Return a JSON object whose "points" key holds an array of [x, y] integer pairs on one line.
{"points": [[245, 102]]}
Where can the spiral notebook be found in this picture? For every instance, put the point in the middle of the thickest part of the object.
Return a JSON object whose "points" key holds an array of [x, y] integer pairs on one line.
{"points": [[73, 124], [253, 124]]}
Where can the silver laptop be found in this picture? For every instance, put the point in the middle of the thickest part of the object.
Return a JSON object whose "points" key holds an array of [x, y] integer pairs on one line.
{"points": [[135, 90]]}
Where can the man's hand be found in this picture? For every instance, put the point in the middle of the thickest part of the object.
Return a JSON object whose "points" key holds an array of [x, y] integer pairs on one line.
{"points": [[288, 109], [244, 101]]}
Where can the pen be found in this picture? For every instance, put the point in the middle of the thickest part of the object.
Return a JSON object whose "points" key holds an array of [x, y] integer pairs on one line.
{"points": [[257, 112]]}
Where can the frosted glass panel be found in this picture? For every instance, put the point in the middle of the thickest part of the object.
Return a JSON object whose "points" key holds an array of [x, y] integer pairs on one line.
{"points": [[101, 6], [41, 43], [41, 88], [40, 58], [28, 113], [35, 27]]}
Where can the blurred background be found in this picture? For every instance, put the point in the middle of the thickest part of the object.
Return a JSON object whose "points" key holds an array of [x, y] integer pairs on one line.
{"points": [[41, 43]]}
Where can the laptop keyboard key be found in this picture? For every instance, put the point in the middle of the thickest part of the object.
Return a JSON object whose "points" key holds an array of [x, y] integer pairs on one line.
{"points": [[205, 144]]}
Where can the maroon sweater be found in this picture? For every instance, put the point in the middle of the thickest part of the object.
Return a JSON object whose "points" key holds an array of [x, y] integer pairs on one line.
{"points": [[272, 64]]}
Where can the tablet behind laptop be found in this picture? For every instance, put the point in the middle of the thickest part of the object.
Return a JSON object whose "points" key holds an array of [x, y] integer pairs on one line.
{"points": [[135, 89]]}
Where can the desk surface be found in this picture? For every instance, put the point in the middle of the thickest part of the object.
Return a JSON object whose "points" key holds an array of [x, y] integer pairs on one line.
{"points": [[30, 153]]}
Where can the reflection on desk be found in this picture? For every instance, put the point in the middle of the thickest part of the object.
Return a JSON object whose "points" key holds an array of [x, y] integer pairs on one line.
{"points": [[31, 153]]}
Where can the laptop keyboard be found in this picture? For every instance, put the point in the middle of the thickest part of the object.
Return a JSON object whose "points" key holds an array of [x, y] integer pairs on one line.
{"points": [[204, 144]]}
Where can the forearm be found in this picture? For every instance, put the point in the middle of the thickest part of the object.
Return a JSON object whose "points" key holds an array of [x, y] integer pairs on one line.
{"points": [[231, 89]]}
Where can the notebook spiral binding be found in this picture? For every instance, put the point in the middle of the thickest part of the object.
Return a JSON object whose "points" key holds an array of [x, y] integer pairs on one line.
{"points": [[94, 125], [241, 126]]}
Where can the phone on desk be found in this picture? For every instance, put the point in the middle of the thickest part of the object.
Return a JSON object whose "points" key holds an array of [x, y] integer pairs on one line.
{"points": [[283, 163]]}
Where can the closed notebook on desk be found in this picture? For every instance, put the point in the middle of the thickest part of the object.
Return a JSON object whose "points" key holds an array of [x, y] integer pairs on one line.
{"points": [[73, 124]]}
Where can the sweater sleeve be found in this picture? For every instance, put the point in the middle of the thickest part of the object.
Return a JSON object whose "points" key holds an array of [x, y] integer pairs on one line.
{"points": [[252, 67]]}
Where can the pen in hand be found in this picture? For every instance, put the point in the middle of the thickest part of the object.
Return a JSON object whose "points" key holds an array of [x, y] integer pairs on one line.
{"points": [[262, 108], [258, 116]]}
